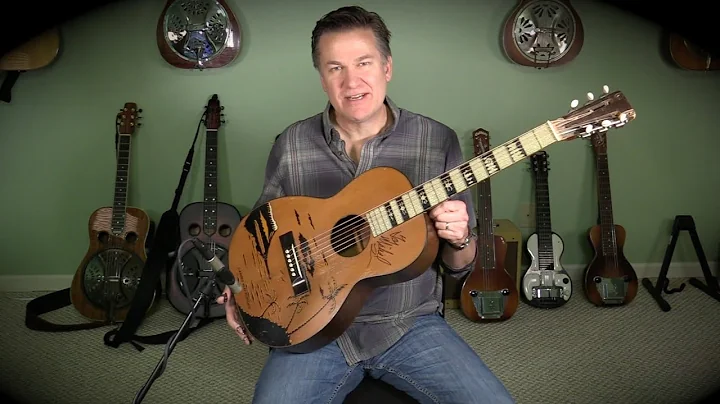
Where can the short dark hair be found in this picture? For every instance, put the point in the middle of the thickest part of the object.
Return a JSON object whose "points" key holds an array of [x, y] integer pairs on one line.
{"points": [[347, 18]]}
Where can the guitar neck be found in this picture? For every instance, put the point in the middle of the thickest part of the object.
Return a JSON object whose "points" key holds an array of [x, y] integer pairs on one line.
{"points": [[426, 196], [607, 224], [122, 179], [543, 223], [211, 192], [486, 239]]}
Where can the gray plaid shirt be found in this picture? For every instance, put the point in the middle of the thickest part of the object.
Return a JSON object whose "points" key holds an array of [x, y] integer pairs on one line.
{"points": [[309, 159]]}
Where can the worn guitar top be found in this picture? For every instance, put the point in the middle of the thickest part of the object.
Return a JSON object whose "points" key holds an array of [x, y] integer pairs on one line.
{"points": [[309, 159]]}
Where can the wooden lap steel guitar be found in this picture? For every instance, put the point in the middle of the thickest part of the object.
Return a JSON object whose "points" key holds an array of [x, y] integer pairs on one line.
{"points": [[307, 265], [32, 55], [488, 292]]}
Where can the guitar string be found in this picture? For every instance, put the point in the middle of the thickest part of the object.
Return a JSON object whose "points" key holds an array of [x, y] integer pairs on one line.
{"points": [[348, 227], [358, 226]]}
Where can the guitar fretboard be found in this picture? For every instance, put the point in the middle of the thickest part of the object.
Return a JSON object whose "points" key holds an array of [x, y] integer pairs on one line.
{"points": [[121, 184], [607, 223], [211, 193], [431, 193], [543, 224]]}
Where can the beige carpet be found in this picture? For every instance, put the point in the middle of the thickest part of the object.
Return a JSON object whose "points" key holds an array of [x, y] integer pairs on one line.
{"points": [[576, 354]]}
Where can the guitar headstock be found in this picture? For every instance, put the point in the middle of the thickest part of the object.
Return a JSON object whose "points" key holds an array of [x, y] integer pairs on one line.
{"points": [[128, 118], [539, 161], [481, 141], [213, 115], [611, 110]]}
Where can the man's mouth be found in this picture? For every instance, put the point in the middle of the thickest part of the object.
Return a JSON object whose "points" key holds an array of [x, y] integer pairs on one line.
{"points": [[356, 97]]}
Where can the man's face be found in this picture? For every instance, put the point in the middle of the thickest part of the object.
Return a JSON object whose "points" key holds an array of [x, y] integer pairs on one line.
{"points": [[353, 74]]}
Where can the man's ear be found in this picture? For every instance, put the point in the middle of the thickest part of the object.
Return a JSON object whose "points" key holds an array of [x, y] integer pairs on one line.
{"points": [[388, 68]]}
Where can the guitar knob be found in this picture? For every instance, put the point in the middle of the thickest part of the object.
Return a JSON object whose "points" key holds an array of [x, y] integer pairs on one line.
{"points": [[473, 293], [597, 279]]}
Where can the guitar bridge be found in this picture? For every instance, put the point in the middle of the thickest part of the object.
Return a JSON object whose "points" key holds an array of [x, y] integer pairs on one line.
{"points": [[489, 305], [612, 290], [292, 264], [547, 295]]}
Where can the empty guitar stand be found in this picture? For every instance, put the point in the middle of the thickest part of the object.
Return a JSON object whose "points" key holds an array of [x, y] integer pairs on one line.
{"points": [[710, 287]]}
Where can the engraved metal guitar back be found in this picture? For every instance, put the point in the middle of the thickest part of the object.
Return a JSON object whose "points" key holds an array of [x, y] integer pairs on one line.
{"points": [[198, 34], [543, 33]]}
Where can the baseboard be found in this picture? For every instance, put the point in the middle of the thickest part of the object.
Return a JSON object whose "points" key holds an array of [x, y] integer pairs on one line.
{"points": [[47, 283]]}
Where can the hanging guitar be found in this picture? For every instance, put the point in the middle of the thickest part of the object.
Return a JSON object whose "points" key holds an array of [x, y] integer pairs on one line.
{"points": [[546, 283], [543, 33], [209, 221], [610, 279], [34, 54], [307, 265], [488, 292], [198, 34], [105, 283], [689, 56]]}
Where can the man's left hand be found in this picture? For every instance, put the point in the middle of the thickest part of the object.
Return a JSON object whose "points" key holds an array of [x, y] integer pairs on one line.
{"points": [[451, 221]]}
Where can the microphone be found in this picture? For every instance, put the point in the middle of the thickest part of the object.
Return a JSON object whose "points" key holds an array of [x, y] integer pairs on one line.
{"points": [[223, 273]]}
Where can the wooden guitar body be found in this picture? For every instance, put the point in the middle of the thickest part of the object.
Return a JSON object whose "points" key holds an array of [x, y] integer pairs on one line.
{"points": [[195, 267], [689, 56], [490, 294], [340, 261], [610, 280], [543, 33], [198, 34], [108, 275], [32, 55]]}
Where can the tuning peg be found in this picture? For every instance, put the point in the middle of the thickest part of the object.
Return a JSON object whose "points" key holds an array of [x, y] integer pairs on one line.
{"points": [[606, 89], [574, 104], [590, 96], [606, 123], [588, 129]]}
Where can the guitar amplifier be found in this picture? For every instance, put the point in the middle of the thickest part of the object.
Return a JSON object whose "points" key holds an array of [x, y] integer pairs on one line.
{"points": [[513, 262]]}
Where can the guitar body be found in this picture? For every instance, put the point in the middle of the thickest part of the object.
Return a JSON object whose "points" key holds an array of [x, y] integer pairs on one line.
{"points": [[341, 262], [543, 33], [32, 55], [108, 275], [689, 56], [609, 280], [546, 287], [490, 294], [198, 34], [209, 221], [196, 269]]}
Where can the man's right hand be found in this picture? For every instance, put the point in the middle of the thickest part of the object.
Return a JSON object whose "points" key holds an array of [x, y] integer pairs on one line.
{"points": [[231, 315]]}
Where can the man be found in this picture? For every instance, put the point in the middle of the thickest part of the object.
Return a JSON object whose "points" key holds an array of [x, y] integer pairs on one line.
{"points": [[399, 336]]}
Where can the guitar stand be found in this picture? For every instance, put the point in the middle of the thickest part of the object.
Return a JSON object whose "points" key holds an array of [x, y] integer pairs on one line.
{"points": [[687, 223], [180, 335]]}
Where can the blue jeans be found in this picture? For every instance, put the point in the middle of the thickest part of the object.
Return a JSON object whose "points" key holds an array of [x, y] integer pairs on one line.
{"points": [[430, 362]]}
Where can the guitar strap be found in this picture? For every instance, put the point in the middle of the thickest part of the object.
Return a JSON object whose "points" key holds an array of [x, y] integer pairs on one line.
{"points": [[166, 242]]}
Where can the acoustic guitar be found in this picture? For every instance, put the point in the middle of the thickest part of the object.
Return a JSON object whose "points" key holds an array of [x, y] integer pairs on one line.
{"points": [[307, 265], [108, 276], [689, 56], [211, 222], [488, 292], [610, 279], [546, 283], [198, 34], [32, 55]]}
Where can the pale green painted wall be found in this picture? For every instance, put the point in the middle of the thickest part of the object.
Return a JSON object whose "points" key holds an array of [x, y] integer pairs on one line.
{"points": [[56, 147]]}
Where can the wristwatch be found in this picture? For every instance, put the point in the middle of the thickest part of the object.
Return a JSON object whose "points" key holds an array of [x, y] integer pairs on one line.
{"points": [[465, 243]]}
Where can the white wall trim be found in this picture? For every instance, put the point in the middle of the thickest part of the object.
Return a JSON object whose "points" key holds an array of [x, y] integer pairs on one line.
{"points": [[43, 283]]}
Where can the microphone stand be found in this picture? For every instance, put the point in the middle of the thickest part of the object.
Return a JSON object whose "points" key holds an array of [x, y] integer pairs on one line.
{"points": [[160, 368]]}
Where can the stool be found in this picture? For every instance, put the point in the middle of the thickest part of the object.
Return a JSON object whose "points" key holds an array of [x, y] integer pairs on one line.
{"points": [[373, 390]]}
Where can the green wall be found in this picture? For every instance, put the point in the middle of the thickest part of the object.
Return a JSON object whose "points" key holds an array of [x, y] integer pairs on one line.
{"points": [[56, 147]]}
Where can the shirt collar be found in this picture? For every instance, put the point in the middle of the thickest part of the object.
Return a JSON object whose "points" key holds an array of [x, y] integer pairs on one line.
{"points": [[328, 126]]}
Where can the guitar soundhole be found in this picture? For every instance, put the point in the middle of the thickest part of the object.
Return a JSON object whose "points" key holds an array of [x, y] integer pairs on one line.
{"points": [[194, 229], [225, 230], [131, 237], [350, 236], [103, 237]]}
